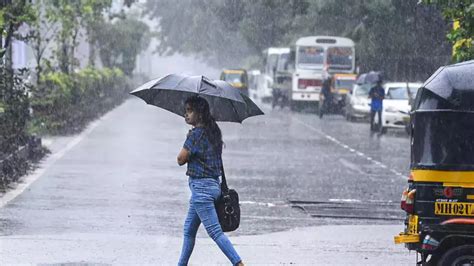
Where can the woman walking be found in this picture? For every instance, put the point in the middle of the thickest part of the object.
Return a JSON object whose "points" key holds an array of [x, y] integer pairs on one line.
{"points": [[202, 151]]}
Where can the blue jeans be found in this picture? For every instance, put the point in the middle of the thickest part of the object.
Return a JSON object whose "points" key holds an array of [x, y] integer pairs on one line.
{"points": [[204, 192]]}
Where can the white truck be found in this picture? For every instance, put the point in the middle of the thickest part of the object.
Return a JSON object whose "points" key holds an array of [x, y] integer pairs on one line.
{"points": [[265, 84]]}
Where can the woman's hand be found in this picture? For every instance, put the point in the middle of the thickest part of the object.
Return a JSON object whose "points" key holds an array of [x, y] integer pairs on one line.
{"points": [[183, 156]]}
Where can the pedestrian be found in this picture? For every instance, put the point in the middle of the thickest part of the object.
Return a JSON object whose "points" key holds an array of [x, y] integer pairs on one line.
{"points": [[326, 96], [202, 152], [377, 94]]}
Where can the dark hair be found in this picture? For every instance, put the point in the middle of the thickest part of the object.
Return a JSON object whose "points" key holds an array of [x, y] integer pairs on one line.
{"points": [[212, 130]]}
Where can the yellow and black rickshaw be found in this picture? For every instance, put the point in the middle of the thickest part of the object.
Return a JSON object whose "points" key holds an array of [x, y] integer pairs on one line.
{"points": [[237, 78], [439, 200]]}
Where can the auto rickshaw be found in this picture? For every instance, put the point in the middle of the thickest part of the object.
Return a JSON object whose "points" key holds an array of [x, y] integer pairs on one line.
{"points": [[237, 78], [439, 200], [340, 86]]}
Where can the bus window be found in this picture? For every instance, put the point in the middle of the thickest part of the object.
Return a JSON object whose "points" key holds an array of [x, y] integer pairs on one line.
{"points": [[340, 58], [310, 55]]}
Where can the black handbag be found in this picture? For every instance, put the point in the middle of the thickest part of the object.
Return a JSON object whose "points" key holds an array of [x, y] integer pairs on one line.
{"points": [[227, 207]]}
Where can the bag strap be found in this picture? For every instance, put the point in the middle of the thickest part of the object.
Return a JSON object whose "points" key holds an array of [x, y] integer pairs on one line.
{"points": [[224, 186]]}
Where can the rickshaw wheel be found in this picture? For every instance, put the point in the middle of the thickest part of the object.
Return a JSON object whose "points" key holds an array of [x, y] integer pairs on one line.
{"points": [[462, 255]]}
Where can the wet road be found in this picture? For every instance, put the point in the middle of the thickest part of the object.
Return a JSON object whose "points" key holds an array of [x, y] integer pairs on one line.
{"points": [[122, 177]]}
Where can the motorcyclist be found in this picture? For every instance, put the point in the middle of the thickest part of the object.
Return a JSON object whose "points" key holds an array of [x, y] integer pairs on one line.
{"points": [[325, 95]]}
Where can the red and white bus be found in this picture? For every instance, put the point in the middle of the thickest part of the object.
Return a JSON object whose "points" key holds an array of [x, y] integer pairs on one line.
{"points": [[315, 57]]}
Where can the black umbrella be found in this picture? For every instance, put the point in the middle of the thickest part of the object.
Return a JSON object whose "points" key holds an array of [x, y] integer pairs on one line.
{"points": [[170, 92], [448, 80]]}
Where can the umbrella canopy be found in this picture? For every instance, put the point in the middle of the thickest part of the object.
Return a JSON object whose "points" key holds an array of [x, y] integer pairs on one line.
{"points": [[170, 92], [449, 80], [371, 77]]}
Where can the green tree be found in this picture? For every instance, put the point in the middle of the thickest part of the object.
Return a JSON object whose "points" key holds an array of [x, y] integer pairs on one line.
{"points": [[67, 14], [92, 18], [40, 34], [13, 97], [121, 42], [268, 23], [399, 37], [207, 28], [13, 14], [461, 14], [72, 16]]}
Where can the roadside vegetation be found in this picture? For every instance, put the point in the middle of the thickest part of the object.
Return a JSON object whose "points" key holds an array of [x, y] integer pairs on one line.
{"points": [[61, 93]]}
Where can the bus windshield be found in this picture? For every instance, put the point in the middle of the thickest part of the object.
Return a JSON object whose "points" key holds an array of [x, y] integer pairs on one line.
{"points": [[340, 58], [310, 55]]}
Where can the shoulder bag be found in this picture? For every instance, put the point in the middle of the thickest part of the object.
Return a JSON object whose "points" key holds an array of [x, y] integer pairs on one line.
{"points": [[227, 207]]}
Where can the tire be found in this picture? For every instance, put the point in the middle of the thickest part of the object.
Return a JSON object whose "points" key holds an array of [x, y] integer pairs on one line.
{"points": [[384, 130], [461, 255], [408, 130]]}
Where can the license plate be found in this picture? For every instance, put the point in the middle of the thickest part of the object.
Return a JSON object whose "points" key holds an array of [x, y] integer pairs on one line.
{"points": [[413, 224], [343, 91], [454, 208]]}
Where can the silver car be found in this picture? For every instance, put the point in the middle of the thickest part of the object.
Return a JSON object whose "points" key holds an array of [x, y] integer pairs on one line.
{"points": [[358, 102]]}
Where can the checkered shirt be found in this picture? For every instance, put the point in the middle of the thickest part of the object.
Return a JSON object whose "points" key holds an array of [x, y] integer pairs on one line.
{"points": [[203, 160]]}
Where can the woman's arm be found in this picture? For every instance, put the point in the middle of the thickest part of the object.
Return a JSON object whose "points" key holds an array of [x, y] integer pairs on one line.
{"points": [[183, 156]]}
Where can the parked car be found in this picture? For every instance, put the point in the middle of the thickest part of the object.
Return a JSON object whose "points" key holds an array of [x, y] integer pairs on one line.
{"points": [[396, 105], [357, 102]]}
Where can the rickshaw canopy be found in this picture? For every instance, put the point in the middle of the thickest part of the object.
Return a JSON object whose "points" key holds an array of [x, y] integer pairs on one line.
{"points": [[449, 79], [442, 120]]}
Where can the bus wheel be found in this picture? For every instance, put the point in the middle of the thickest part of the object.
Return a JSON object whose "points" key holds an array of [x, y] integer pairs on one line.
{"points": [[462, 255]]}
